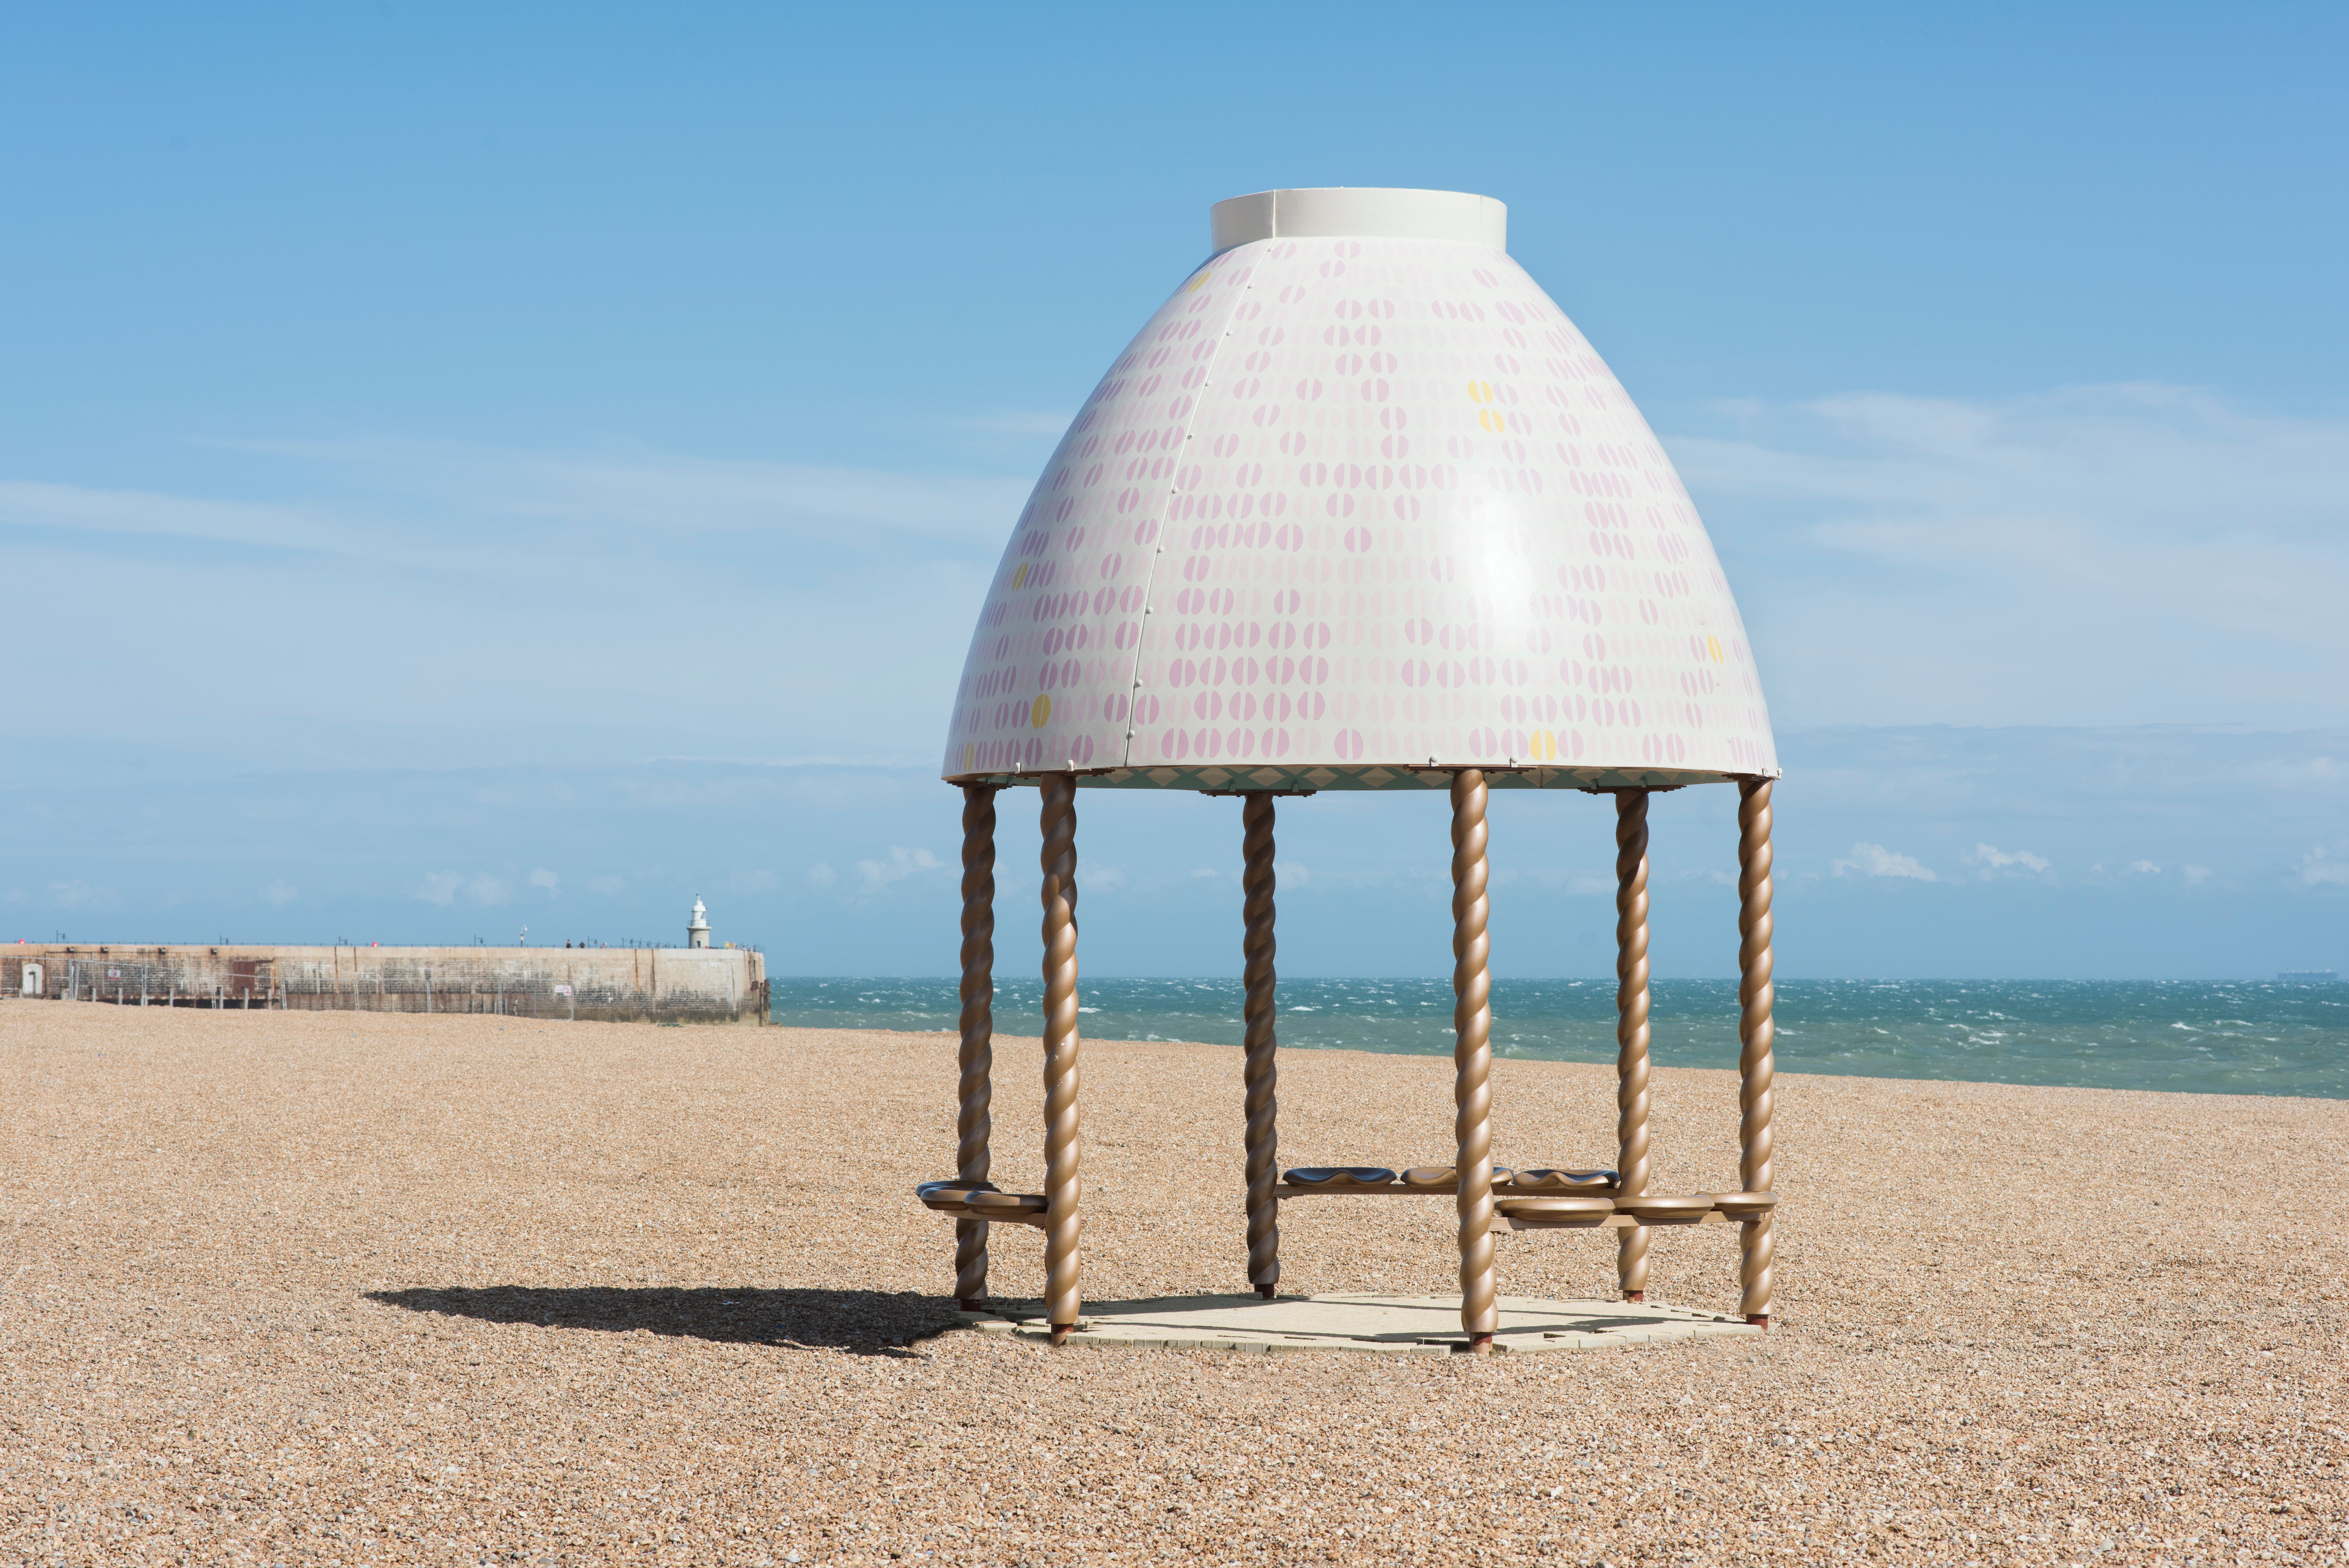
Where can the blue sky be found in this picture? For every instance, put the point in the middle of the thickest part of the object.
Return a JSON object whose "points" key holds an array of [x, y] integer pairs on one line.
{"points": [[459, 466]]}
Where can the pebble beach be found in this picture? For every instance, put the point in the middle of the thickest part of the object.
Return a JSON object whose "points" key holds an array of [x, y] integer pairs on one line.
{"points": [[333, 1288]]}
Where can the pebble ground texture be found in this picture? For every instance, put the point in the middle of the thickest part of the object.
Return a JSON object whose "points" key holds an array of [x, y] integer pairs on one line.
{"points": [[336, 1288]]}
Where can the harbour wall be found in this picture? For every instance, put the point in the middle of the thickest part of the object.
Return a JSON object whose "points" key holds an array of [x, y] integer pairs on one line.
{"points": [[657, 985]]}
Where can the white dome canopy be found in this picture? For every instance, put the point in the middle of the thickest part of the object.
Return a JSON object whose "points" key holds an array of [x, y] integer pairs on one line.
{"points": [[1358, 500]]}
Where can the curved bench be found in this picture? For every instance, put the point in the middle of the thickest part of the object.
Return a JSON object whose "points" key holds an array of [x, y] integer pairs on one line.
{"points": [[1439, 1180], [1551, 1213], [1445, 1178], [1745, 1205], [1339, 1177], [1584, 1182], [983, 1200], [1650, 1209]]}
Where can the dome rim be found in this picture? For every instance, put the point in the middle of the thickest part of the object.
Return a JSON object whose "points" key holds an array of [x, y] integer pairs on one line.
{"points": [[1312, 778]]}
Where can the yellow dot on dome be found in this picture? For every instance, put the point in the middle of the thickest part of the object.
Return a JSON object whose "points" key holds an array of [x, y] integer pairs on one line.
{"points": [[1492, 420], [1020, 576], [1545, 745], [1193, 285], [1041, 711], [1480, 392], [1712, 646]]}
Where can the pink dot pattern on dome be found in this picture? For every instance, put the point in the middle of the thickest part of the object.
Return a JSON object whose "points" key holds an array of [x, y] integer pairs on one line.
{"points": [[1359, 505]]}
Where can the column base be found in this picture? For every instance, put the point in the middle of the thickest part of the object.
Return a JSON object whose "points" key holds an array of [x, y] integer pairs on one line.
{"points": [[1268, 1292], [971, 1304], [1060, 1332], [1760, 1320], [1635, 1296], [1480, 1345]]}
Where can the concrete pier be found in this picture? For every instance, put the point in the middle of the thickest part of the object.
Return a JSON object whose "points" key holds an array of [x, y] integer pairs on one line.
{"points": [[658, 985]]}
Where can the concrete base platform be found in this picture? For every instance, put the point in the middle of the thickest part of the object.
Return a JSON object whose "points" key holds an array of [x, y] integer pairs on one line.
{"points": [[1388, 1325]]}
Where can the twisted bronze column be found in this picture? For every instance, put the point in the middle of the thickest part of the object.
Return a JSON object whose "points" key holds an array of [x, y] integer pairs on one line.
{"points": [[976, 1057], [1755, 1035], [1472, 1058], [1261, 1074], [1063, 1130], [1632, 1030]]}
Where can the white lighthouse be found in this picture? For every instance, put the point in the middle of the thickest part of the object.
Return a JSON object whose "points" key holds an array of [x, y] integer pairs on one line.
{"points": [[696, 935]]}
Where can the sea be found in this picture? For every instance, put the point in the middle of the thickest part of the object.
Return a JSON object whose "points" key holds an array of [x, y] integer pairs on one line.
{"points": [[2221, 1037]]}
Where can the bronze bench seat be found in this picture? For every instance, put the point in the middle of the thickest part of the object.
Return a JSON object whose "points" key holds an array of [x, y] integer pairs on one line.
{"points": [[1547, 1213], [1653, 1208], [1444, 1178], [1697, 1208], [1617, 1212], [1744, 1205], [1588, 1183], [1439, 1180], [1339, 1177], [982, 1200], [1306, 1180]]}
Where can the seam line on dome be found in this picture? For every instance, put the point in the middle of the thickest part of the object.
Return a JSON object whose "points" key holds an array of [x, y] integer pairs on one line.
{"points": [[1149, 583]]}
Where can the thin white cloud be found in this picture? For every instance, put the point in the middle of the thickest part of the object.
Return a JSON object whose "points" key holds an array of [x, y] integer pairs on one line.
{"points": [[81, 509], [543, 877], [1875, 860], [2320, 867], [751, 882], [604, 886], [281, 893], [637, 564], [2312, 774], [880, 875], [1992, 860], [669, 495], [2097, 555], [2197, 875], [1018, 424], [78, 895], [445, 888], [822, 875], [2144, 867]]}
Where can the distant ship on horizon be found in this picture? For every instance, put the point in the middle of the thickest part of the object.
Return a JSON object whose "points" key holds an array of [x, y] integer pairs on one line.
{"points": [[2305, 976]]}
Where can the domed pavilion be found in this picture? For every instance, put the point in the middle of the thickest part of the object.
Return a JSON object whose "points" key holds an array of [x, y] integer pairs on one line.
{"points": [[1359, 509]]}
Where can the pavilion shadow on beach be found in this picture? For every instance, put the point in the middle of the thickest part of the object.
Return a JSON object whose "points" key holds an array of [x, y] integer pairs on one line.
{"points": [[869, 1322]]}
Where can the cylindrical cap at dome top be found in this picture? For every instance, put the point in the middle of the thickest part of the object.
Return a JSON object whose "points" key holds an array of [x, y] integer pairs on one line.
{"points": [[1347, 209], [1359, 507]]}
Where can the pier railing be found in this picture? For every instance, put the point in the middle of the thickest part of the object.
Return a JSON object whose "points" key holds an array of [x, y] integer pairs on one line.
{"points": [[503, 986]]}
